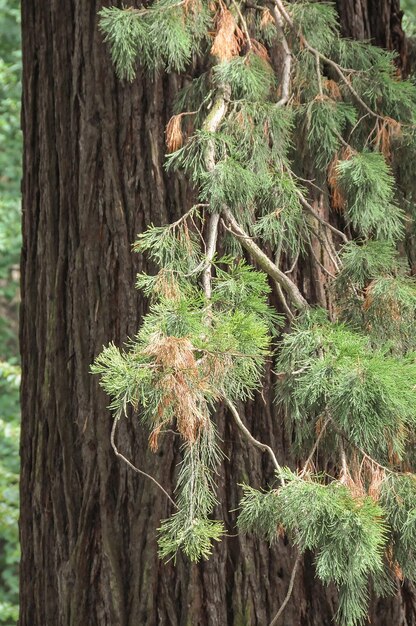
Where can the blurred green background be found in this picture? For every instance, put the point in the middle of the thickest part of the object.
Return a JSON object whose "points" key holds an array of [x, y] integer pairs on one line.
{"points": [[10, 242]]}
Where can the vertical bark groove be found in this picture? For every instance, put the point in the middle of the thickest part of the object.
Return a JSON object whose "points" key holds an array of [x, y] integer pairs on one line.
{"points": [[93, 179]]}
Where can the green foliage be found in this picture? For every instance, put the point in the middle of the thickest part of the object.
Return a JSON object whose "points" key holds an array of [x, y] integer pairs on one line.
{"points": [[164, 35], [369, 187], [250, 77], [190, 529], [329, 369], [325, 121], [231, 184], [376, 294], [124, 31], [319, 23], [363, 262], [398, 498], [260, 513], [346, 532], [9, 492]]}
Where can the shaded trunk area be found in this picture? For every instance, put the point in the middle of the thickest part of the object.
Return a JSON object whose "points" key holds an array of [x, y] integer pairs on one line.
{"points": [[93, 179]]}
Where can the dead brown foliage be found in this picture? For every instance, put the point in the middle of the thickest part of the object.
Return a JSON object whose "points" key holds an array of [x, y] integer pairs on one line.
{"points": [[333, 89], [174, 135], [228, 37], [337, 198], [388, 130]]}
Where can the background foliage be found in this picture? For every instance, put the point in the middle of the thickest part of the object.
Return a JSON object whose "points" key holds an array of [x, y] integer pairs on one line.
{"points": [[10, 241]]}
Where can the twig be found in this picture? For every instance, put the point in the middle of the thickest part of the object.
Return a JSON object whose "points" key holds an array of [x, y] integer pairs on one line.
{"points": [[278, 286], [312, 211], [258, 444], [323, 268], [243, 24], [315, 447], [133, 467], [292, 267], [185, 216], [288, 594], [318, 74], [283, 301], [265, 263]]}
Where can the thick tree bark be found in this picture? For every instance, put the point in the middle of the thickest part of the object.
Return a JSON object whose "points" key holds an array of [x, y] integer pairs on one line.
{"points": [[93, 179], [378, 21]]}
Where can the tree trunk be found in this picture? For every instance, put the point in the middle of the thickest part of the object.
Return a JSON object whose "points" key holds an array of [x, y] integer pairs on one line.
{"points": [[93, 179], [378, 21]]}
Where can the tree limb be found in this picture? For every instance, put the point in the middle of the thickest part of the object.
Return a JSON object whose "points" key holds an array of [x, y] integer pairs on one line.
{"points": [[263, 260]]}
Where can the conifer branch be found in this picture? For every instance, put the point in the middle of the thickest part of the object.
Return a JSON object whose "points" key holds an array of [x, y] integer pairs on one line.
{"points": [[263, 260], [281, 8], [369, 458], [133, 467]]}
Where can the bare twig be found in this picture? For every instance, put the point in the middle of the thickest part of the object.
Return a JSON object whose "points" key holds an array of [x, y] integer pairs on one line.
{"points": [[243, 24], [278, 286], [312, 211], [258, 444], [133, 467], [318, 75], [323, 268], [315, 447], [211, 247], [283, 301], [289, 592], [292, 267]]}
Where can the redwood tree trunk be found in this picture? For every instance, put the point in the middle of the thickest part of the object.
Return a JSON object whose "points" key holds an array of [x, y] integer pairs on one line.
{"points": [[93, 179]]}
